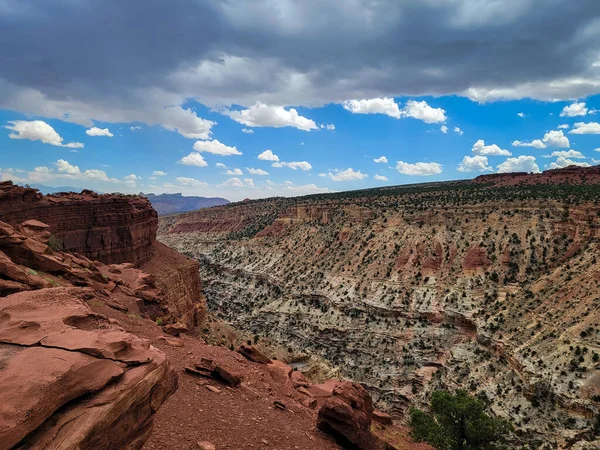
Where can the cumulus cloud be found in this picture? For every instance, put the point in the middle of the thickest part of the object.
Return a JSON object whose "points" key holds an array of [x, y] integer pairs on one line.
{"points": [[380, 178], [95, 131], [458, 130], [381, 160], [66, 170], [347, 175], [565, 162], [232, 182], [190, 182], [159, 173], [586, 128], [554, 138], [247, 130], [194, 159], [294, 165], [573, 110], [416, 109], [385, 106], [566, 154], [564, 126], [257, 171], [216, 148], [38, 130], [477, 163], [521, 114], [522, 163], [479, 148], [419, 168], [234, 172], [422, 111], [135, 128], [130, 180], [221, 165], [444, 129], [330, 127], [268, 155], [262, 115]]}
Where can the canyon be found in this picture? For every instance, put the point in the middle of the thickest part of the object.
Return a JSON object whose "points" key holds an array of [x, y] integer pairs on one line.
{"points": [[490, 285], [107, 354]]}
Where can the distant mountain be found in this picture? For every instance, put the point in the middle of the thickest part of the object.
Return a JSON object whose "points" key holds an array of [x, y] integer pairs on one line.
{"points": [[176, 203], [52, 190]]}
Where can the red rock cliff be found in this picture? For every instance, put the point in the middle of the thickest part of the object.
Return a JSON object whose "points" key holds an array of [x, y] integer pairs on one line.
{"points": [[109, 228]]}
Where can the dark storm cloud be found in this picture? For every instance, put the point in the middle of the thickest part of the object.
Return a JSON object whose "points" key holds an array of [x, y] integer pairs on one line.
{"points": [[296, 52]]}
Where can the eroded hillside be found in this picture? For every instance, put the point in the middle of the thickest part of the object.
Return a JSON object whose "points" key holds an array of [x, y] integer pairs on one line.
{"points": [[490, 285]]}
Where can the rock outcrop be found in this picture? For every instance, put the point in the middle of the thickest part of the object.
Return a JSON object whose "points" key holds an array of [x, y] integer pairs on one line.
{"points": [[107, 227], [347, 416], [72, 379]]}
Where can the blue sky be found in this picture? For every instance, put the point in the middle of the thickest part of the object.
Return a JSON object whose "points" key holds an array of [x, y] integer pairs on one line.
{"points": [[247, 111]]}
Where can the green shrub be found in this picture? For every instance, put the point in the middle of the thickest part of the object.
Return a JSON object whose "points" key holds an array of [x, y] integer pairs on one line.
{"points": [[54, 243], [458, 422]]}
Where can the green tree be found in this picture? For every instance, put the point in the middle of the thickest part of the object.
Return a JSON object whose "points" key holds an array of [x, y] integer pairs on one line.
{"points": [[458, 422]]}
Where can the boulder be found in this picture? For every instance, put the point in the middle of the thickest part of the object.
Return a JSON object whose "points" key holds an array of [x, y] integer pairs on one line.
{"points": [[55, 353], [347, 415], [36, 230], [175, 329], [382, 418], [253, 354]]}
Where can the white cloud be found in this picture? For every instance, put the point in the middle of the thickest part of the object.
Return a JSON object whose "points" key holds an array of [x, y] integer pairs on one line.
{"points": [[444, 129], [268, 155], [194, 159], [422, 111], [190, 182], [477, 163], [330, 127], [131, 179], [216, 148], [247, 131], [347, 175], [185, 121], [586, 128], [522, 163], [520, 114], [262, 115], [573, 110], [135, 128], [417, 110], [564, 162], [234, 172], [381, 160], [159, 173], [232, 182], [294, 165], [68, 171], [95, 131], [38, 130], [564, 126], [536, 143], [380, 178], [566, 154], [554, 138], [385, 106], [479, 148], [221, 165], [419, 168], [256, 171], [458, 130], [249, 182]]}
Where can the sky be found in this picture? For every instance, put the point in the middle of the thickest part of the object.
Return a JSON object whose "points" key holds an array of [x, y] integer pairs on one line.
{"points": [[258, 98]]}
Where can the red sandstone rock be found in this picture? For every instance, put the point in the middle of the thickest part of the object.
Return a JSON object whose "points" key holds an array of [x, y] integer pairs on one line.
{"points": [[253, 354], [175, 329], [383, 418], [112, 228], [56, 351], [346, 416], [36, 230]]}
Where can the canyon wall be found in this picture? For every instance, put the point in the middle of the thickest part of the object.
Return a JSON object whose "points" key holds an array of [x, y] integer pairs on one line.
{"points": [[491, 288], [109, 228]]}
